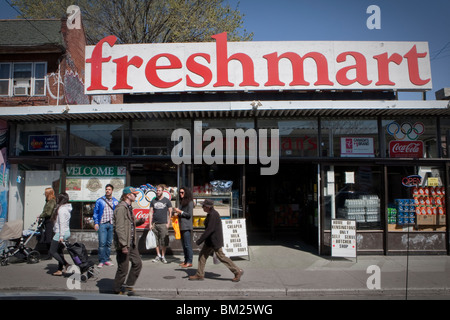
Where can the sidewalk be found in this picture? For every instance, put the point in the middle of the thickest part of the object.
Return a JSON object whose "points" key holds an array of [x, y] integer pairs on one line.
{"points": [[279, 270]]}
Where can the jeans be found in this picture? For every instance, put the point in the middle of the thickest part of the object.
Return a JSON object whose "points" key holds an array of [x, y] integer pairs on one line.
{"points": [[105, 236], [186, 241]]}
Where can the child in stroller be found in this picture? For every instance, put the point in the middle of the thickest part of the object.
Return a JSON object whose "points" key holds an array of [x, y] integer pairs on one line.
{"points": [[12, 231]]}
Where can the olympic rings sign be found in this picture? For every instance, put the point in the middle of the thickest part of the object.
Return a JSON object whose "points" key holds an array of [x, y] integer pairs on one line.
{"points": [[405, 131]]}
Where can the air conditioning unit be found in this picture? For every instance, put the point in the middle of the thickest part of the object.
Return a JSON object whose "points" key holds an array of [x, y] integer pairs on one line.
{"points": [[21, 91]]}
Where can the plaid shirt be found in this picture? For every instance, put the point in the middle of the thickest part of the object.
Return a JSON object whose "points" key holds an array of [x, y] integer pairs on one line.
{"points": [[108, 211]]}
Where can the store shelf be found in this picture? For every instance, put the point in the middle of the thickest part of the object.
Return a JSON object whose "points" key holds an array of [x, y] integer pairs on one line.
{"points": [[222, 203]]}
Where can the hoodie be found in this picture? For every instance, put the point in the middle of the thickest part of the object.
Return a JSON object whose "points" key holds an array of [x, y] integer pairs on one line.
{"points": [[62, 221]]}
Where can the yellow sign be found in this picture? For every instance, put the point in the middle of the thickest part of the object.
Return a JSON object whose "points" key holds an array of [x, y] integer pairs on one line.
{"points": [[433, 182]]}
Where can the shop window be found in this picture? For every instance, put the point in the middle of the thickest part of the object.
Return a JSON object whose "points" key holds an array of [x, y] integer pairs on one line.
{"points": [[298, 138], [410, 137], [153, 138], [39, 139], [99, 139], [416, 199], [23, 78], [353, 192], [349, 138], [445, 137], [28, 182]]}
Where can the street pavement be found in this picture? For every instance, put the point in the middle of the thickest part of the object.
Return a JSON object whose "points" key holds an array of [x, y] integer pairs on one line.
{"points": [[283, 270]]}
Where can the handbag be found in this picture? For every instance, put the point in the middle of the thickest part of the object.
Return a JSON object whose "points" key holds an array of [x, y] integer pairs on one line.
{"points": [[150, 241], [176, 227]]}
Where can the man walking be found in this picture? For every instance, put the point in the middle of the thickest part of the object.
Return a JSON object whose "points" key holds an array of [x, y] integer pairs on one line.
{"points": [[125, 241], [213, 238], [103, 218], [159, 218]]}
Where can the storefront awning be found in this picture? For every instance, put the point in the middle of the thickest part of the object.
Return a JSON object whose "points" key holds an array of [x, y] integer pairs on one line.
{"points": [[179, 110]]}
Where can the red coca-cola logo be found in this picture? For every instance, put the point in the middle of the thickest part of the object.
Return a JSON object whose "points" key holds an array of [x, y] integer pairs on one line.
{"points": [[406, 149], [141, 213]]}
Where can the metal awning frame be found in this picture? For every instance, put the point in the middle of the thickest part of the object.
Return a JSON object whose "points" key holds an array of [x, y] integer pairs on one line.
{"points": [[261, 109]]}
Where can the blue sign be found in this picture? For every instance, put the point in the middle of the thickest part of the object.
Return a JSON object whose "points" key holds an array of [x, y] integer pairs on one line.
{"points": [[43, 142]]}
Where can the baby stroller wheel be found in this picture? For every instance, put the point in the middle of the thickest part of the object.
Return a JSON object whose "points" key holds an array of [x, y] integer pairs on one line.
{"points": [[33, 257], [4, 261]]}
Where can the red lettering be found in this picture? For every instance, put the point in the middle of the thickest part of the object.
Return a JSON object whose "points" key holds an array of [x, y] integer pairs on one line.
{"points": [[223, 60], [360, 66], [96, 61], [198, 69], [151, 70], [383, 68], [413, 66], [297, 69], [122, 71]]}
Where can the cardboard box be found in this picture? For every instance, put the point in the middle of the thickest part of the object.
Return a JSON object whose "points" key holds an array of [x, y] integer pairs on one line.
{"points": [[425, 220]]}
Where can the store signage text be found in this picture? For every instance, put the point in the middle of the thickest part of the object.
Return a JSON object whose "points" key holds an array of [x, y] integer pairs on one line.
{"points": [[412, 181], [43, 142], [89, 171], [258, 147], [405, 149], [229, 66]]}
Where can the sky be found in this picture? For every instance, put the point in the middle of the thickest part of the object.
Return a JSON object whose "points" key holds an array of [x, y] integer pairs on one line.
{"points": [[346, 20]]}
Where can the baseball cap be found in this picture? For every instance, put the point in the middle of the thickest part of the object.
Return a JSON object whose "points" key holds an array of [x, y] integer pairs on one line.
{"points": [[128, 190], [207, 203]]}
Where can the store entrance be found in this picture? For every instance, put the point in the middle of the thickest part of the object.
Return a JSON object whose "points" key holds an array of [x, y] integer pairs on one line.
{"points": [[283, 205]]}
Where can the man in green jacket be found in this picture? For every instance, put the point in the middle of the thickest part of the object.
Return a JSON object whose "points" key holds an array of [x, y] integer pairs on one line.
{"points": [[125, 241]]}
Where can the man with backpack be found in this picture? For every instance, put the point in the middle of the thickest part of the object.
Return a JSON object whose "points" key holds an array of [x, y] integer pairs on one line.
{"points": [[103, 224]]}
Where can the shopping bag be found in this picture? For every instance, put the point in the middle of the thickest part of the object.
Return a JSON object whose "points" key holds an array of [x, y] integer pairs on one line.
{"points": [[215, 259], [150, 241], [176, 227]]}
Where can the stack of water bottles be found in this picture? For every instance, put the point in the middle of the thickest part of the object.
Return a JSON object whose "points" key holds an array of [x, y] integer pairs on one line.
{"points": [[364, 209]]}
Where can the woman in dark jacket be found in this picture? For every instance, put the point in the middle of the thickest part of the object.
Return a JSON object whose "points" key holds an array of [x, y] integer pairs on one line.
{"points": [[184, 214]]}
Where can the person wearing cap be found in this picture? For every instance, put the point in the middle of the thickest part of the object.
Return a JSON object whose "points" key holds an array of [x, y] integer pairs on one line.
{"points": [[213, 239], [125, 241]]}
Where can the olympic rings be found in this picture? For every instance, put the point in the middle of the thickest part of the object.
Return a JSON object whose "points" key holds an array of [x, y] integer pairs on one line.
{"points": [[406, 130]]}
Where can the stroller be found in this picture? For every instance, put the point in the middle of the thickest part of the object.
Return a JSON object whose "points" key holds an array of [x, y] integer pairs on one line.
{"points": [[80, 258], [12, 231]]}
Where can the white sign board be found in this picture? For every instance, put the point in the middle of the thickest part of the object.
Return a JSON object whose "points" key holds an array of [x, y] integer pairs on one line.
{"points": [[357, 147], [343, 238], [234, 237], [112, 68]]}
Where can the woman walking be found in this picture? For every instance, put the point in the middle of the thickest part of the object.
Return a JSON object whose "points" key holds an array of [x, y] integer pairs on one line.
{"points": [[46, 215], [184, 214], [61, 220]]}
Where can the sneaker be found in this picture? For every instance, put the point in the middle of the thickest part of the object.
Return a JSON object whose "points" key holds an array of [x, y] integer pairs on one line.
{"points": [[128, 291], [100, 265], [108, 263], [163, 260], [156, 259]]}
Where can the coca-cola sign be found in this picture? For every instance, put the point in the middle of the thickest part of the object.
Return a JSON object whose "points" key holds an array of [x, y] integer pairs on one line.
{"points": [[405, 149], [255, 65]]}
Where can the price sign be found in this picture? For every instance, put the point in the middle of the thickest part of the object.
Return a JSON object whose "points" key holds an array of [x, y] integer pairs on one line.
{"points": [[234, 237]]}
